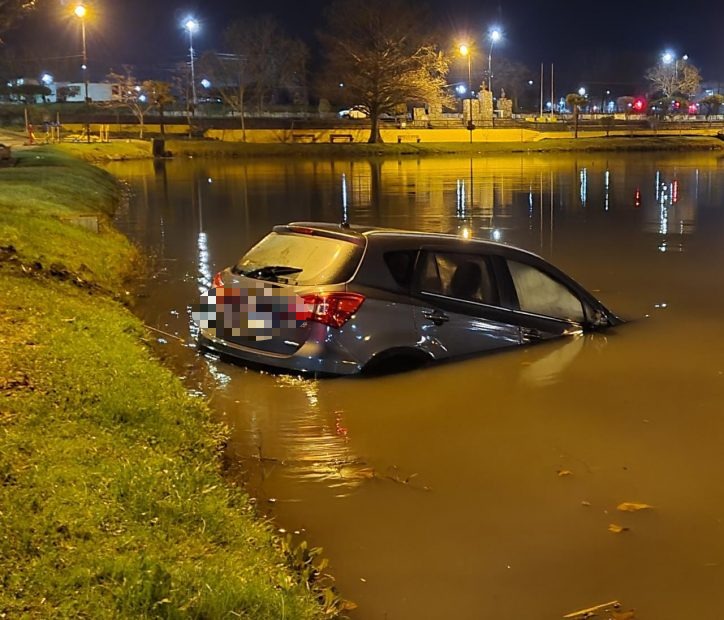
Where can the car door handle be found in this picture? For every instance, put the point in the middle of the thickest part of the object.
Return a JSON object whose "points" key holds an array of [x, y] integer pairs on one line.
{"points": [[436, 316], [530, 334]]}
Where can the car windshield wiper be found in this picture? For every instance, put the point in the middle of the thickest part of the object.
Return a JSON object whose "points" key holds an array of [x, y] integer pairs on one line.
{"points": [[271, 272]]}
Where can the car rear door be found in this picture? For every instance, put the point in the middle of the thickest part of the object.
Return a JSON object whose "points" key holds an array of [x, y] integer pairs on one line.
{"points": [[456, 305]]}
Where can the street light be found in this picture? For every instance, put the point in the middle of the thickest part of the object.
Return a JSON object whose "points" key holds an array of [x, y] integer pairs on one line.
{"points": [[191, 26], [495, 36], [668, 57], [80, 12], [466, 51]]}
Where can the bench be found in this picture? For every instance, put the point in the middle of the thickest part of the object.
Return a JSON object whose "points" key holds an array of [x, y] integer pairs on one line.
{"points": [[304, 137], [341, 137], [408, 137]]}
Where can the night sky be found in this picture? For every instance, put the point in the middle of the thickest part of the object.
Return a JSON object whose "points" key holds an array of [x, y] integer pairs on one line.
{"points": [[590, 43]]}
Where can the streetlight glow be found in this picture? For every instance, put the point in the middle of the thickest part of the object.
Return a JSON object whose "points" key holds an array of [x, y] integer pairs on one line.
{"points": [[80, 12], [495, 35], [466, 51], [191, 25]]}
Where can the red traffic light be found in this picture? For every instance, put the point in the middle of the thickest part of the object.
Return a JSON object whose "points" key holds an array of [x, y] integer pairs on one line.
{"points": [[639, 104]]}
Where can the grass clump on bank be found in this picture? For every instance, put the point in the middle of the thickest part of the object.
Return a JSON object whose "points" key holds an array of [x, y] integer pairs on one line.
{"points": [[111, 500]]}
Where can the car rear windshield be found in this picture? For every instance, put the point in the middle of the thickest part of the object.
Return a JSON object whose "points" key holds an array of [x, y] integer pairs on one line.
{"points": [[321, 260]]}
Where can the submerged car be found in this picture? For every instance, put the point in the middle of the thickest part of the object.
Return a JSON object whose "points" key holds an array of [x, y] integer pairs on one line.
{"points": [[331, 299]]}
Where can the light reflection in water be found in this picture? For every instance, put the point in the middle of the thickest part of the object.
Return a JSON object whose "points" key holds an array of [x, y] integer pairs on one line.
{"points": [[460, 462]]}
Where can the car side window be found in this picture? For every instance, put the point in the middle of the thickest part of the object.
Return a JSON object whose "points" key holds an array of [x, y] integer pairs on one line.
{"points": [[539, 293], [401, 265], [461, 276]]}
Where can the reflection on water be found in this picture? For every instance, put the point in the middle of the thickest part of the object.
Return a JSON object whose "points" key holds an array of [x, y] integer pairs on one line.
{"points": [[483, 488]]}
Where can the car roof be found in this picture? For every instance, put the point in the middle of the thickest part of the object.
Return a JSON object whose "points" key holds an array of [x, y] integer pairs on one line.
{"points": [[358, 233]]}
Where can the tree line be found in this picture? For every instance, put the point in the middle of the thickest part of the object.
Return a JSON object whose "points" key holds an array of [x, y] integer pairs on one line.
{"points": [[380, 55]]}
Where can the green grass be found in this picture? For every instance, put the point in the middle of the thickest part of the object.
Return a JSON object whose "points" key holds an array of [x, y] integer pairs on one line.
{"points": [[112, 504], [212, 148], [107, 151]]}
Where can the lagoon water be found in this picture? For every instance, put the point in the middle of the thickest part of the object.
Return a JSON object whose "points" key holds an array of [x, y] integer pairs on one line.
{"points": [[487, 488]]}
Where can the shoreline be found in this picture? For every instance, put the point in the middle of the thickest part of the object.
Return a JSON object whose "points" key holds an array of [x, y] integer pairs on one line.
{"points": [[119, 149], [114, 503]]}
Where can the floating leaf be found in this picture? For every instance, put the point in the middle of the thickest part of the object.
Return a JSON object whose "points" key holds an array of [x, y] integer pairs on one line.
{"points": [[633, 507], [617, 529]]}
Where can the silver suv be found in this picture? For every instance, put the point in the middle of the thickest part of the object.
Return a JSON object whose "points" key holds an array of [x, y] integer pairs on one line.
{"points": [[330, 299]]}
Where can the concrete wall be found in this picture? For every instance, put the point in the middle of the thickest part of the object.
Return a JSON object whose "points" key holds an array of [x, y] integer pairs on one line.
{"points": [[133, 129]]}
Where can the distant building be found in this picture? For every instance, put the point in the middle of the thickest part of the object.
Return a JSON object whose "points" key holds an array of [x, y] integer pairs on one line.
{"points": [[28, 89], [75, 91]]}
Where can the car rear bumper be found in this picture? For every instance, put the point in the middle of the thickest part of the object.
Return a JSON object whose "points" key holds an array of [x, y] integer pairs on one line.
{"points": [[314, 357]]}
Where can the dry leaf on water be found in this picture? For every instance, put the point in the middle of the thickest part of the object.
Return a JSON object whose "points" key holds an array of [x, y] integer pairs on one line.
{"points": [[633, 507], [617, 529]]}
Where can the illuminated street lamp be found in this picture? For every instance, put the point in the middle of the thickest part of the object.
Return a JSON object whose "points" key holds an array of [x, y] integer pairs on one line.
{"points": [[80, 12], [466, 51], [669, 57], [495, 36], [191, 26]]}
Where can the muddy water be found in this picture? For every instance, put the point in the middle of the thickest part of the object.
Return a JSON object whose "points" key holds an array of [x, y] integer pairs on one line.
{"points": [[485, 488]]}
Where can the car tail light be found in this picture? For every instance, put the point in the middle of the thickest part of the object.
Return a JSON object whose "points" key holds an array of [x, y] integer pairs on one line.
{"points": [[333, 309], [218, 281]]}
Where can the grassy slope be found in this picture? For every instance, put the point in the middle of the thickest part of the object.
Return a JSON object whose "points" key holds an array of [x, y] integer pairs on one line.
{"points": [[111, 501]]}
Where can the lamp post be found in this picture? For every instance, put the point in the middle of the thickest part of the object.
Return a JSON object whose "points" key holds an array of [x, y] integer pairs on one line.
{"points": [[80, 12], [191, 26], [466, 51], [669, 57], [495, 35]]}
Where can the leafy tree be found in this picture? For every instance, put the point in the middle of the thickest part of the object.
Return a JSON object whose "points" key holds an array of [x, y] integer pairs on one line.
{"points": [[712, 103], [160, 95], [11, 11], [576, 101], [678, 77], [30, 92], [379, 50], [139, 97], [63, 92]]}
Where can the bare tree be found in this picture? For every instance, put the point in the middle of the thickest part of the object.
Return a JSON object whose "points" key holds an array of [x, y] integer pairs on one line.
{"points": [[678, 77], [258, 62], [229, 77], [512, 77], [379, 51]]}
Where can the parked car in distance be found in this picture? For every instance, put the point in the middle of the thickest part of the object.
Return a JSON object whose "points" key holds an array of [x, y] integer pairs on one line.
{"points": [[355, 112], [330, 299]]}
